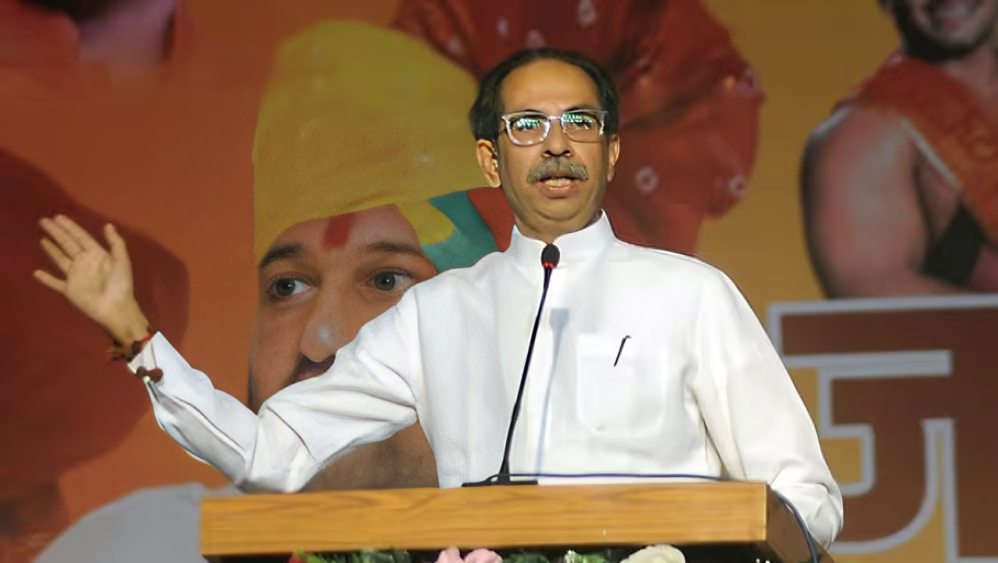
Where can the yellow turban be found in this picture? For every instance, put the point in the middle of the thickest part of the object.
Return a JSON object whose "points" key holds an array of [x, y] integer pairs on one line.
{"points": [[356, 117]]}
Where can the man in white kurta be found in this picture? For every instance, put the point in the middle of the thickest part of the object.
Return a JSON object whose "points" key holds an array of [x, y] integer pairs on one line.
{"points": [[646, 362], [698, 388]]}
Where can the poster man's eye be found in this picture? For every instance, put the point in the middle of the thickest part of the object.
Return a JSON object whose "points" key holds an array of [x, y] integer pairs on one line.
{"points": [[388, 281], [286, 287]]}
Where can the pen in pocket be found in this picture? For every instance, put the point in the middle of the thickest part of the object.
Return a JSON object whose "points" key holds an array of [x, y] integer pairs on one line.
{"points": [[621, 350]]}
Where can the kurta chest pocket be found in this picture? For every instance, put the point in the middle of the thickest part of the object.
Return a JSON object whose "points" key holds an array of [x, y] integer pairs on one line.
{"points": [[619, 388]]}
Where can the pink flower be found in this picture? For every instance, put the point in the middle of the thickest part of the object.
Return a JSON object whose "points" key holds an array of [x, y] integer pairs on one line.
{"points": [[483, 556], [452, 555]]}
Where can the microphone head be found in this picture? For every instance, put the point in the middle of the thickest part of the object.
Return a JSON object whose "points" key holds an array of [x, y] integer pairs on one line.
{"points": [[550, 256]]}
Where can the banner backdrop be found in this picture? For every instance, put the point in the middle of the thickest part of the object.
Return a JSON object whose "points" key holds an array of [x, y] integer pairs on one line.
{"points": [[218, 135]]}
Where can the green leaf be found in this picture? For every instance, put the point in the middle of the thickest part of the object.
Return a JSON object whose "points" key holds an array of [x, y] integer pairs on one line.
{"points": [[525, 558], [373, 557]]}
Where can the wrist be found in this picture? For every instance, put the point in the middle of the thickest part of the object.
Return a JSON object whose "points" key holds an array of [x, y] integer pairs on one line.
{"points": [[132, 326]]}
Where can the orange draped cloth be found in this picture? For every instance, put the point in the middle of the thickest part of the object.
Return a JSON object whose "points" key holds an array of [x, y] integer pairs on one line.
{"points": [[689, 100], [951, 120]]}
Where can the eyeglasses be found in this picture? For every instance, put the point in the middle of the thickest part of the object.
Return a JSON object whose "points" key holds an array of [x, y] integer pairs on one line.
{"points": [[530, 127]]}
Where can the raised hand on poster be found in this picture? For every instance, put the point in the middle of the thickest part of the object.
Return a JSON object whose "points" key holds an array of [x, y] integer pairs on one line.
{"points": [[97, 281]]}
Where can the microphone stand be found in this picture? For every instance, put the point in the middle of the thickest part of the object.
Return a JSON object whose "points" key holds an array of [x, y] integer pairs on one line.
{"points": [[549, 260]]}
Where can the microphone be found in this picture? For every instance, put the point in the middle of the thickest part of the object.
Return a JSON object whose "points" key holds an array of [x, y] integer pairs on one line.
{"points": [[549, 260]]}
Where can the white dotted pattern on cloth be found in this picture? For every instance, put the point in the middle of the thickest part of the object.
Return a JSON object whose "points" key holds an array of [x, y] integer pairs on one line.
{"points": [[646, 180]]}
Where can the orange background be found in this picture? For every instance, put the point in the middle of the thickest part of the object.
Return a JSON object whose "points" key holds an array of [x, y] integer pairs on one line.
{"points": [[191, 190]]}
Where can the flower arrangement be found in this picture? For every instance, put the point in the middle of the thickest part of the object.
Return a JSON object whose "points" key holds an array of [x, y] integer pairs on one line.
{"points": [[651, 554]]}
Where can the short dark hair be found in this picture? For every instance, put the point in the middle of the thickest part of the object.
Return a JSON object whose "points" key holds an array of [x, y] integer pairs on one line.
{"points": [[486, 112]]}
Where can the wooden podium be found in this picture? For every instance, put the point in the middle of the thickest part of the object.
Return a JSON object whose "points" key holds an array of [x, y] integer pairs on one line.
{"points": [[729, 521]]}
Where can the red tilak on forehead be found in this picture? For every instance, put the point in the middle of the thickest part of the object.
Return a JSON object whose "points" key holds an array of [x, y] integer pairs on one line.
{"points": [[338, 231]]}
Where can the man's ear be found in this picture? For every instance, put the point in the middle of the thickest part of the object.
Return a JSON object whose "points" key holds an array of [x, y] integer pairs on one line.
{"points": [[488, 161], [614, 149]]}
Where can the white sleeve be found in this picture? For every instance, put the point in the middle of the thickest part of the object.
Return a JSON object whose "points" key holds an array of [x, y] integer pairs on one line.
{"points": [[366, 396], [753, 413]]}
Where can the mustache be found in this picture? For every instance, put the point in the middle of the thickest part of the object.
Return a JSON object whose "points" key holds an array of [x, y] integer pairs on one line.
{"points": [[558, 168]]}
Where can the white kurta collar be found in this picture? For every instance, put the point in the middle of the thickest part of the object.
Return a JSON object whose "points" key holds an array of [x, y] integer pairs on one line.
{"points": [[576, 247]]}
